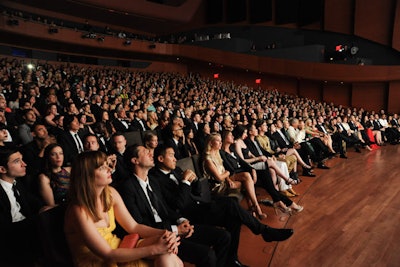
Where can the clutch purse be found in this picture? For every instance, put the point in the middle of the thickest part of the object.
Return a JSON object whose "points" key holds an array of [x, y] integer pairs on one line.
{"points": [[129, 241]]}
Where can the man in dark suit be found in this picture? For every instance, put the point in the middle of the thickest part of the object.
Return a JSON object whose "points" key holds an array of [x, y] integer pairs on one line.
{"points": [[176, 142], [180, 189], [337, 140], [138, 123], [121, 122], [202, 245], [17, 211], [118, 147], [70, 140], [306, 149], [347, 136]]}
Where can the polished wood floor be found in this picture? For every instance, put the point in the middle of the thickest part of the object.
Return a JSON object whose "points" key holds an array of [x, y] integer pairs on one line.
{"points": [[351, 216]]}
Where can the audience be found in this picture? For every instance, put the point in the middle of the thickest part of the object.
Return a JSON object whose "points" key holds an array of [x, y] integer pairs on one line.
{"points": [[42, 108], [93, 210], [202, 245], [181, 189]]}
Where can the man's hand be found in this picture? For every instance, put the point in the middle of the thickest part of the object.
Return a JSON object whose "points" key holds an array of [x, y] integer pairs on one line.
{"points": [[185, 229], [189, 176]]}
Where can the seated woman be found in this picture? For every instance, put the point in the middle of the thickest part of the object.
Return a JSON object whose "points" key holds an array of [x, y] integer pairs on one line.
{"points": [[90, 219], [260, 162], [54, 180], [190, 144], [312, 131], [223, 179], [280, 202]]}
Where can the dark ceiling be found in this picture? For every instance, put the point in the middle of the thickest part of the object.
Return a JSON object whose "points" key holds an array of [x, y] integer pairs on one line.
{"points": [[157, 17]]}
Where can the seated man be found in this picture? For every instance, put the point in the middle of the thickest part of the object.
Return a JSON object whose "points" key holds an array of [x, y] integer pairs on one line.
{"points": [[17, 211], [178, 189], [202, 245]]}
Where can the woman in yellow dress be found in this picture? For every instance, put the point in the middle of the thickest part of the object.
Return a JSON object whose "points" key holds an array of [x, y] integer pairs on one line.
{"points": [[90, 219]]}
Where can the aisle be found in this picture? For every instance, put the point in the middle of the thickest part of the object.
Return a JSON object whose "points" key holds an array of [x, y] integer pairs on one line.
{"points": [[350, 218]]}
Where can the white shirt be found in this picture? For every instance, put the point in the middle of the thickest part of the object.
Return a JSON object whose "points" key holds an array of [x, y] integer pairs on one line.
{"points": [[16, 214], [157, 218], [143, 185], [78, 141], [173, 178]]}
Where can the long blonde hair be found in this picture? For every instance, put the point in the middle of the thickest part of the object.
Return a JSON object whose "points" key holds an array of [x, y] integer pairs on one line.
{"points": [[216, 157], [82, 188]]}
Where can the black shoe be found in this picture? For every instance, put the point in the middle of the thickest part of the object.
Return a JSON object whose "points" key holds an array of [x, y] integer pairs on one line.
{"points": [[270, 234], [266, 202], [322, 166], [357, 150], [308, 173], [343, 156], [294, 175], [237, 263]]}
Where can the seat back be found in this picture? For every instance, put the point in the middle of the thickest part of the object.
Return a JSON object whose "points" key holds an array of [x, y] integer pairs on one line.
{"points": [[53, 244], [202, 188], [197, 165], [134, 137], [186, 164]]}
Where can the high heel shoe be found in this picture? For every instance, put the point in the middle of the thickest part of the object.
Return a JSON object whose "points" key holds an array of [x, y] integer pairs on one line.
{"points": [[279, 209], [297, 210], [287, 193], [290, 190], [292, 182], [258, 213]]}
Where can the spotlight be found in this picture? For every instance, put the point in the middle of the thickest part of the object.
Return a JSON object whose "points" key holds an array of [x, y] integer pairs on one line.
{"points": [[30, 66]]}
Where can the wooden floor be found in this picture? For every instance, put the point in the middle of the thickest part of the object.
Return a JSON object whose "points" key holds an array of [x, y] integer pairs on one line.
{"points": [[351, 216]]}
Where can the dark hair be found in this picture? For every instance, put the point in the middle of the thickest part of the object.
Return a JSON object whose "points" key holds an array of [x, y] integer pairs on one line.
{"points": [[148, 135], [259, 123], [5, 153], [160, 151], [117, 134], [238, 131], [131, 152], [46, 159], [224, 134], [90, 134], [67, 120]]}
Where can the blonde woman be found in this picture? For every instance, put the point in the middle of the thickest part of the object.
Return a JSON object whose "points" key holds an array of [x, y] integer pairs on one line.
{"points": [[223, 180], [90, 219]]}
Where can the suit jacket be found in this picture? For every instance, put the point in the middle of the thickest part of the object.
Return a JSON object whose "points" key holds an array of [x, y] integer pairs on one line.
{"points": [[253, 149], [179, 149], [139, 207], [234, 165], [136, 126], [177, 196], [68, 145], [319, 127], [394, 123], [281, 142], [120, 127], [121, 172], [30, 205]]}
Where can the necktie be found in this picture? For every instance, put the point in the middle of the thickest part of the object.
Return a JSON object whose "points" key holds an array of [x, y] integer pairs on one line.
{"points": [[258, 148], [323, 129], [141, 123], [17, 197], [284, 137], [153, 198], [80, 149]]}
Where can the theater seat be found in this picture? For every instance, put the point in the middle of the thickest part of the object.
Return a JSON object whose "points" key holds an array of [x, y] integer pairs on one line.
{"points": [[53, 245]]}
